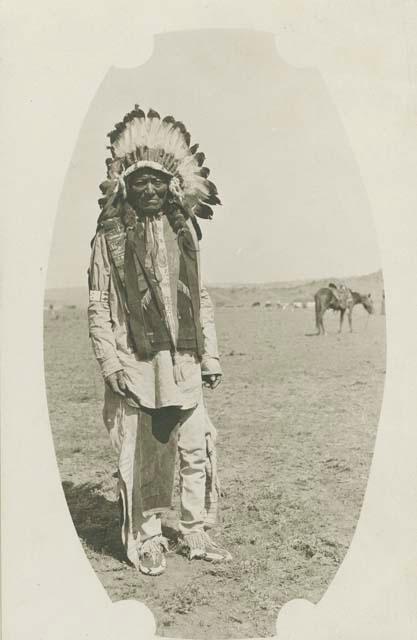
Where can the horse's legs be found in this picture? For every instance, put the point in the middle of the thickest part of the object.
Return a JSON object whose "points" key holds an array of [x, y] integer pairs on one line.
{"points": [[322, 329], [317, 310], [319, 316], [350, 319], [342, 315]]}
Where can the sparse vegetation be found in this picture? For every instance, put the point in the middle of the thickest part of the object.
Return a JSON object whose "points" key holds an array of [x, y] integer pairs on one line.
{"points": [[296, 417]]}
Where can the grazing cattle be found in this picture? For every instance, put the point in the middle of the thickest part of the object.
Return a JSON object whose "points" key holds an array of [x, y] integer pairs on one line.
{"points": [[325, 299]]}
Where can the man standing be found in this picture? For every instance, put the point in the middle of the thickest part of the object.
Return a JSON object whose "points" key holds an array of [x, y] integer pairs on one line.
{"points": [[152, 329]]}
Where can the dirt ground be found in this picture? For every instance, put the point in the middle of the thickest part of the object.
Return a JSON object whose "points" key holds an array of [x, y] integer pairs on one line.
{"points": [[297, 416]]}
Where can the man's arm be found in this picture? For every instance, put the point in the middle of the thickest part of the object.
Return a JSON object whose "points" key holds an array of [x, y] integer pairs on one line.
{"points": [[99, 314], [210, 365]]}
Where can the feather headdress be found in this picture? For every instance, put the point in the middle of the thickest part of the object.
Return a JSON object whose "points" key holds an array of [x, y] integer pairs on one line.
{"points": [[162, 144]]}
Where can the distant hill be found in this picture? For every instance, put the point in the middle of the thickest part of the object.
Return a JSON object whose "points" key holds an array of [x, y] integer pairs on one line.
{"points": [[301, 290], [245, 294]]}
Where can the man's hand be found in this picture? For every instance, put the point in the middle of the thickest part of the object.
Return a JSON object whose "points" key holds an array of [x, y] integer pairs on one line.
{"points": [[212, 380], [117, 383]]}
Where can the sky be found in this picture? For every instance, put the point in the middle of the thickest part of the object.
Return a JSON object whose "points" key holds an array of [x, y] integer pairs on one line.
{"points": [[294, 205]]}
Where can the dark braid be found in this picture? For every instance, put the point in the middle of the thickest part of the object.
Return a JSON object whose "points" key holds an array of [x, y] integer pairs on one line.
{"points": [[129, 215], [176, 217]]}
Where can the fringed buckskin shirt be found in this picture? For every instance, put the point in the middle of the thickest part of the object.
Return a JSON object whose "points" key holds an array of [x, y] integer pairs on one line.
{"points": [[151, 381]]}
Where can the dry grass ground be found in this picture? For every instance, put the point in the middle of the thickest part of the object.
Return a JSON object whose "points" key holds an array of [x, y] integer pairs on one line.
{"points": [[297, 417]]}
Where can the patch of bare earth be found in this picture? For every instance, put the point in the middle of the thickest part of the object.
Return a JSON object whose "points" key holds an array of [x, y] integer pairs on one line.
{"points": [[297, 417]]}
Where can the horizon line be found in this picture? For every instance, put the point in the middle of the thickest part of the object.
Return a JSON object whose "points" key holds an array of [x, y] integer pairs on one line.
{"points": [[254, 284]]}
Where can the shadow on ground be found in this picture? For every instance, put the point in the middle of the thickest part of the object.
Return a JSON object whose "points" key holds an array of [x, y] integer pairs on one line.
{"points": [[96, 519]]}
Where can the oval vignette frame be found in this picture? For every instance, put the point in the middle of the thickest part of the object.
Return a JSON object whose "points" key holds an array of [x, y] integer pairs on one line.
{"points": [[280, 88]]}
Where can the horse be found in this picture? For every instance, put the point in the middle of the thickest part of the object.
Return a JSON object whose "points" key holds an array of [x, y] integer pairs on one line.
{"points": [[325, 299]]}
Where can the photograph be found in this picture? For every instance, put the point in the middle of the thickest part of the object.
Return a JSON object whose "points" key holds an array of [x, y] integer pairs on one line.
{"points": [[214, 334]]}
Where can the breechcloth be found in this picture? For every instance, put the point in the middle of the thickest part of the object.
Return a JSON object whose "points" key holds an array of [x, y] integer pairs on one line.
{"points": [[154, 462], [150, 453]]}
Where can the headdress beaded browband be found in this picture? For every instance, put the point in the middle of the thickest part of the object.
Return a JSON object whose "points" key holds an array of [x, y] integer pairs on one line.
{"points": [[142, 141]]}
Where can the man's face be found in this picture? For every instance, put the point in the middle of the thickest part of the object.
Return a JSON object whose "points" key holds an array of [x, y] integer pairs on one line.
{"points": [[147, 190]]}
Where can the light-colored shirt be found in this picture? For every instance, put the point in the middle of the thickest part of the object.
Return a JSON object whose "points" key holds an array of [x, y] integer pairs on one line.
{"points": [[151, 381]]}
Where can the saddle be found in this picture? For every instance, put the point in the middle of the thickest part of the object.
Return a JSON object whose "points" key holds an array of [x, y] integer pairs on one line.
{"points": [[341, 293]]}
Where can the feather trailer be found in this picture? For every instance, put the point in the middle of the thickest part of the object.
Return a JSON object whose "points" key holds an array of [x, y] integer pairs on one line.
{"points": [[129, 117], [185, 134], [204, 172], [139, 132], [129, 137], [115, 134], [169, 120], [200, 157], [200, 186], [175, 143], [188, 165], [212, 187], [203, 211], [207, 191], [153, 114], [105, 186], [212, 199], [213, 193], [181, 126], [139, 113], [153, 120], [112, 135]]}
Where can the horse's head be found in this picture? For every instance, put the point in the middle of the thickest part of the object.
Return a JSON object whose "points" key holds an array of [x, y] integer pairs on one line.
{"points": [[367, 302]]}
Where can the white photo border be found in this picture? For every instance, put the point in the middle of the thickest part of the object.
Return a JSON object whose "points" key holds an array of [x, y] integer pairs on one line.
{"points": [[55, 57]]}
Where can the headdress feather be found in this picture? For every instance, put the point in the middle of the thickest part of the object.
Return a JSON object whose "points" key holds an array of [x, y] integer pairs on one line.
{"points": [[147, 141]]}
